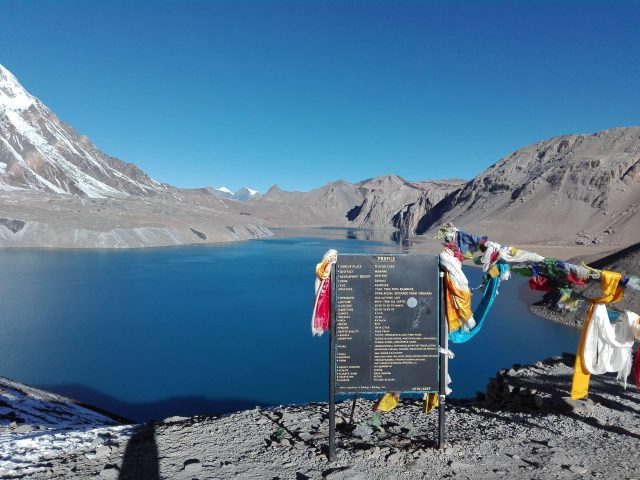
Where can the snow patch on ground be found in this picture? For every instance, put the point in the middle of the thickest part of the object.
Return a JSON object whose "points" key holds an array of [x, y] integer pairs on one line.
{"points": [[36, 426]]}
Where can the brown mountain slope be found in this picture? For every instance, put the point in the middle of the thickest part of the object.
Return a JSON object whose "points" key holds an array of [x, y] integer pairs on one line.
{"points": [[573, 189]]}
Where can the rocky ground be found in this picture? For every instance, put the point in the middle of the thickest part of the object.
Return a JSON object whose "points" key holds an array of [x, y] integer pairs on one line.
{"points": [[522, 427]]}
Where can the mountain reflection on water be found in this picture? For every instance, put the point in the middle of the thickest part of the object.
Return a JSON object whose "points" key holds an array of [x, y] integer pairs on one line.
{"points": [[152, 333], [373, 235]]}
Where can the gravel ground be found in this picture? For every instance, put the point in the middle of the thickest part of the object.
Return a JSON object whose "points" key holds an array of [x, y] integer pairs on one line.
{"points": [[510, 435]]}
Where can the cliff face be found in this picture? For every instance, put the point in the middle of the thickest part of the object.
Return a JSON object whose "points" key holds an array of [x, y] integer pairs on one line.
{"points": [[393, 202], [574, 189]]}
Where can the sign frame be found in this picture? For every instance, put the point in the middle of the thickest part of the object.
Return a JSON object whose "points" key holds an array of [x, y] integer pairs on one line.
{"points": [[442, 357]]}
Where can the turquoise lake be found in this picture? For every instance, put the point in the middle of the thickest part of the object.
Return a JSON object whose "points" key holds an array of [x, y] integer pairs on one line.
{"points": [[153, 333]]}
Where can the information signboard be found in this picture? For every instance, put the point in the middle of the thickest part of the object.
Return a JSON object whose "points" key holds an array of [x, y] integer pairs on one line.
{"points": [[386, 323], [387, 329]]}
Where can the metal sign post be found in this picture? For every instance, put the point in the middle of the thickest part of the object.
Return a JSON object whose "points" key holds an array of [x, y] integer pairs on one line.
{"points": [[332, 369], [388, 331], [443, 363]]}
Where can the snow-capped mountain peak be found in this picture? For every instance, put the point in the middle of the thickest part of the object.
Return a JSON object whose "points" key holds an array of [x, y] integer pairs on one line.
{"points": [[39, 152], [222, 192], [246, 193], [13, 95], [243, 194]]}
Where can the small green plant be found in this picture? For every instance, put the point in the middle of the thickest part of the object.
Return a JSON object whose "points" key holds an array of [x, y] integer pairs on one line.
{"points": [[375, 422], [280, 433]]}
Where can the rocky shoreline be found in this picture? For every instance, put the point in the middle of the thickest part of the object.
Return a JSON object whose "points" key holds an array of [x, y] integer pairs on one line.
{"points": [[522, 427]]}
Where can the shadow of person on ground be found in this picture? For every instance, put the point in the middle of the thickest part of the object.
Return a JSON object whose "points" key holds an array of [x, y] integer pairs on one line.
{"points": [[140, 461]]}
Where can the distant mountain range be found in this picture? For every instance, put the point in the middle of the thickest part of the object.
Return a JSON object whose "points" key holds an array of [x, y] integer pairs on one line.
{"points": [[573, 189], [243, 194]]}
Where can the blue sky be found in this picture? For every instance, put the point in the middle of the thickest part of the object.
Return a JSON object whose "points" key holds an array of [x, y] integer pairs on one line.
{"points": [[301, 93]]}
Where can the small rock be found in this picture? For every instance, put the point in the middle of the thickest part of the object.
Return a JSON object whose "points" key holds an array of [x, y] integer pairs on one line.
{"points": [[576, 406], [393, 458], [98, 441], [24, 429], [192, 466], [287, 417], [362, 430], [102, 452], [344, 474], [578, 470], [175, 419], [374, 452], [110, 472], [506, 388]]}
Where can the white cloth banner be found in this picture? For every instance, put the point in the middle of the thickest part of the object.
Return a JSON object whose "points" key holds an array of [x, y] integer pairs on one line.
{"points": [[608, 347]]}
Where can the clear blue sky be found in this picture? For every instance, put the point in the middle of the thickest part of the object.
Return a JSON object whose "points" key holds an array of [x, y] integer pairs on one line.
{"points": [[300, 93]]}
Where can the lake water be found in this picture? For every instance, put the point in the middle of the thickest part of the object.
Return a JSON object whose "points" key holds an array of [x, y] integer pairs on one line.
{"points": [[178, 331]]}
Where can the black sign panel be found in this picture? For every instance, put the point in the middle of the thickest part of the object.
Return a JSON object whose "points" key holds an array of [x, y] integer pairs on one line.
{"points": [[386, 323]]}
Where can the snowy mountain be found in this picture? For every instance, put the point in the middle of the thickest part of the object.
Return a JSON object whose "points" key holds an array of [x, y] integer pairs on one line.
{"points": [[40, 152], [222, 192], [246, 194]]}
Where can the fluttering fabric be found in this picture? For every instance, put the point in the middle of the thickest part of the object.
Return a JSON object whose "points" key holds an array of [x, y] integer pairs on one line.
{"points": [[482, 311], [611, 293], [467, 242], [637, 368], [607, 347], [540, 283], [515, 255], [491, 255], [546, 274], [457, 294], [567, 301], [321, 316], [429, 402], [387, 402]]}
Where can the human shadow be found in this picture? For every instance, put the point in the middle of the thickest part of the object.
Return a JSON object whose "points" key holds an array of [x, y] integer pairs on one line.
{"points": [[140, 460]]}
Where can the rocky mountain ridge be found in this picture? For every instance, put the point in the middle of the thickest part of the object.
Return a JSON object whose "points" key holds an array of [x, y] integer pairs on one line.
{"points": [[40, 152], [573, 189], [388, 202], [568, 190]]}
